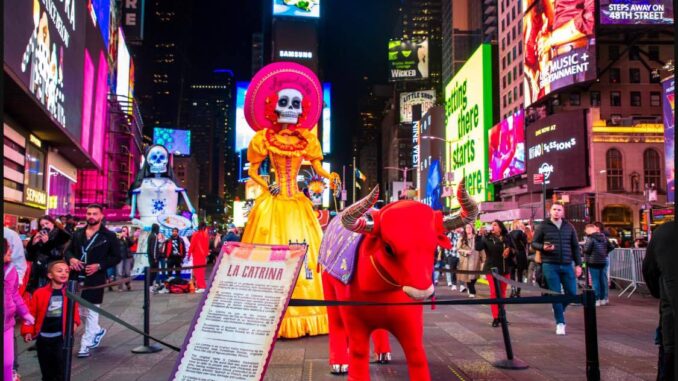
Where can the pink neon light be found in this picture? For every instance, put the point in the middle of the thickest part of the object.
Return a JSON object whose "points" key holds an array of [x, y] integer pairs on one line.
{"points": [[88, 84], [100, 110]]}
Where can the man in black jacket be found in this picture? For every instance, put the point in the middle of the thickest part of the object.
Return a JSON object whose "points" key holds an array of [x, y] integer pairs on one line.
{"points": [[557, 240], [660, 271], [92, 250]]}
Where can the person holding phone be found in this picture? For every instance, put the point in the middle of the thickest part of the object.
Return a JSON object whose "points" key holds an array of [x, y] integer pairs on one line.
{"points": [[45, 247], [557, 241]]}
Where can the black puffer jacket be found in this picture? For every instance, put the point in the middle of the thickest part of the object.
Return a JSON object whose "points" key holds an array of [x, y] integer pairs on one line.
{"points": [[494, 249], [565, 240], [596, 248]]}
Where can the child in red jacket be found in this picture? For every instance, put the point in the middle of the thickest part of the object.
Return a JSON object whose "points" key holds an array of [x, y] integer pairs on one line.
{"points": [[49, 306]]}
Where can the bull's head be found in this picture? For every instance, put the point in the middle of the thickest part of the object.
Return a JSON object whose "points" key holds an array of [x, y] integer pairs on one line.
{"points": [[407, 235]]}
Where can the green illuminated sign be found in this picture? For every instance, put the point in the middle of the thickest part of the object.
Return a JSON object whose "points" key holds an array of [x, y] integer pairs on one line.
{"points": [[468, 117]]}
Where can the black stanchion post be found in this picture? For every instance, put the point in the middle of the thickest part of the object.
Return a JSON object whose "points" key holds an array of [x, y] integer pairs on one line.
{"points": [[147, 347], [68, 335], [510, 362], [591, 334]]}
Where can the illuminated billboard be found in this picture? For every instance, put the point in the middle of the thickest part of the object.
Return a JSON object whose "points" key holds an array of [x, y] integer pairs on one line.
{"points": [[408, 60], [123, 79], [296, 8], [556, 148], [637, 12], [559, 44], [44, 46], [327, 118], [177, 142], [243, 132], [100, 11], [506, 143], [468, 117], [425, 98], [669, 106]]}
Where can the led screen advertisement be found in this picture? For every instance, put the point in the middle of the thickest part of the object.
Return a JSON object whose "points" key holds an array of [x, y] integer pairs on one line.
{"points": [[636, 12], [100, 13], [559, 45], [468, 117], [177, 142], [425, 98], [556, 148], [296, 8], [43, 50], [669, 106], [122, 88], [243, 132], [506, 142], [327, 118], [408, 60]]}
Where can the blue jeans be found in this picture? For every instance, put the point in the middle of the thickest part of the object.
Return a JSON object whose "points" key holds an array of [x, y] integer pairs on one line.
{"points": [[599, 280], [162, 275], [558, 275]]}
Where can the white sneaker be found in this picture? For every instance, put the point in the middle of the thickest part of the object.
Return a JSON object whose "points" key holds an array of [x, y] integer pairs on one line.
{"points": [[449, 284], [462, 288], [199, 290], [604, 302], [560, 329], [599, 303], [471, 296], [453, 287]]}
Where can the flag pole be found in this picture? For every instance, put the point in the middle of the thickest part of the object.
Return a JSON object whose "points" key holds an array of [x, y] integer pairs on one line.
{"points": [[354, 175]]}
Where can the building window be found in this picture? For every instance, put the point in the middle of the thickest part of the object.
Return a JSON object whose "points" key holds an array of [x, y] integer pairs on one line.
{"points": [[35, 165], [509, 77], [651, 167], [614, 171], [615, 75], [635, 98], [615, 98], [653, 52], [575, 99], [634, 53], [655, 99], [503, 81], [613, 51], [595, 98], [634, 75]]}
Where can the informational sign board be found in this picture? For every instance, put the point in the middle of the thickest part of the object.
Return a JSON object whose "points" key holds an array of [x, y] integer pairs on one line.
{"points": [[236, 324]]}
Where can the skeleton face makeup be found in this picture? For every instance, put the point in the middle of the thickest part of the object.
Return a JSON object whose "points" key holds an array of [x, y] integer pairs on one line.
{"points": [[289, 106], [158, 159]]}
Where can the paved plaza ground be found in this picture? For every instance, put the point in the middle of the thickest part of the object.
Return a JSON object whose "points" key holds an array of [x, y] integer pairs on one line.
{"points": [[460, 343]]}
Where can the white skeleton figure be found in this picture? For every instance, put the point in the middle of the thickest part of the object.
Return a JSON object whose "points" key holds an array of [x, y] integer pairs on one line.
{"points": [[158, 193], [289, 106]]}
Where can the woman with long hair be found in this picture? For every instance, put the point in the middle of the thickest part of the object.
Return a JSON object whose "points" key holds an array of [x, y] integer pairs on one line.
{"points": [[499, 252], [469, 258], [45, 246]]}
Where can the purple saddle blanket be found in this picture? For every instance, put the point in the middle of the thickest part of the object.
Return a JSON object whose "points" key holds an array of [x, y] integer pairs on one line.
{"points": [[338, 250]]}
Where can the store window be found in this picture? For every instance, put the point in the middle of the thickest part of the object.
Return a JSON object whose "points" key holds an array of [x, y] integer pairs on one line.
{"points": [[35, 167], [614, 170], [61, 193], [651, 167]]}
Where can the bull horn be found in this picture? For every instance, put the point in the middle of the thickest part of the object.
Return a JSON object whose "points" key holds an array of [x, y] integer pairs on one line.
{"points": [[468, 212], [353, 217]]}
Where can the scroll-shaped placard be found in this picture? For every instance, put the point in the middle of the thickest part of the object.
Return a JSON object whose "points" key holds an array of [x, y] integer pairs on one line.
{"points": [[236, 324]]}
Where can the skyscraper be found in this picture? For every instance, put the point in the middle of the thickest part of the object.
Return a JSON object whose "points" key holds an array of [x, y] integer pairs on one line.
{"points": [[462, 32], [208, 111], [510, 57], [423, 20], [164, 61]]}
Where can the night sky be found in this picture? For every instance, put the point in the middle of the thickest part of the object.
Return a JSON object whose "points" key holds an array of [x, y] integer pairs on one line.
{"points": [[221, 35]]}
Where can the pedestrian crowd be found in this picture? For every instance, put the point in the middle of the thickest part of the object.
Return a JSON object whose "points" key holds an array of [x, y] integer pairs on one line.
{"points": [[37, 271]]}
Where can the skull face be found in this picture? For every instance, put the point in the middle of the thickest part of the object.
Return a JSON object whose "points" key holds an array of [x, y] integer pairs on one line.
{"points": [[158, 159], [289, 106]]}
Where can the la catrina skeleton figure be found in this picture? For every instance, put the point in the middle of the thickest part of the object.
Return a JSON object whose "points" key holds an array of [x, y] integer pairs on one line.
{"points": [[282, 105]]}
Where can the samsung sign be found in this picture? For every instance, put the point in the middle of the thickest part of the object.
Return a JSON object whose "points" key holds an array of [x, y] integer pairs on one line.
{"points": [[295, 54]]}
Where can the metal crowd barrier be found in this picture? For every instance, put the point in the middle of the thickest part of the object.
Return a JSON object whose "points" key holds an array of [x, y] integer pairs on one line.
{"points": [[626, 265]]}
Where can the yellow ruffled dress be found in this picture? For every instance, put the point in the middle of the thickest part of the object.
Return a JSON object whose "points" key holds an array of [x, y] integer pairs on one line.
{"points": [[289, 216]]}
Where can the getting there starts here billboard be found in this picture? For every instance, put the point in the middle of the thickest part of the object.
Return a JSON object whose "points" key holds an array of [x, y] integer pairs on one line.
{"points": [[556, 148], [469, 114], [559, 44]]}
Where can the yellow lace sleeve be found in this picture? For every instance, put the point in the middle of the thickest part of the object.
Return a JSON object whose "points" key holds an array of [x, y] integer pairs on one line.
{"points": [[313, 150], [257, 150]]}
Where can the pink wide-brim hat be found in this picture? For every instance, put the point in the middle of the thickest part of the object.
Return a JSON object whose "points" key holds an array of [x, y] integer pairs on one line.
{"points": [[277, 76]]}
